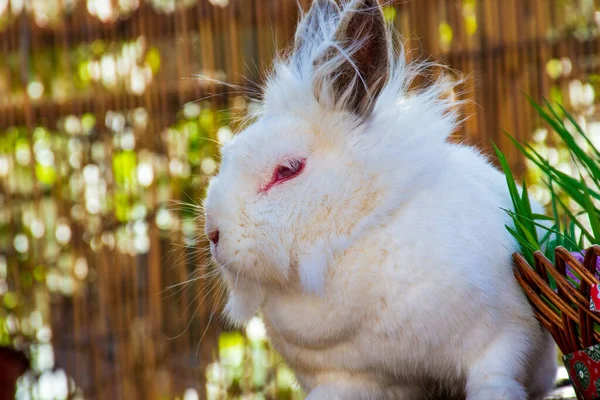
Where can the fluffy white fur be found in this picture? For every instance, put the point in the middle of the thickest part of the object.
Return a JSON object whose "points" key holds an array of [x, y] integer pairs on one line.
{"points": [[384, 269]]}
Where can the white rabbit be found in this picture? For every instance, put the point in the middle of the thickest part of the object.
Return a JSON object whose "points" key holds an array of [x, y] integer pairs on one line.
{"points": [[375, 250]]}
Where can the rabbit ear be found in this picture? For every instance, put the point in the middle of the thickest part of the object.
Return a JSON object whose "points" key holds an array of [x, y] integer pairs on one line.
{"points": [[356, 68], [321, 14]]}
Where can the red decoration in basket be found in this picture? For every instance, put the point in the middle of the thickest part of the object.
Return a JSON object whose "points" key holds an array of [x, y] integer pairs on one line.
{"points": [[583, 367], [595, 298]]}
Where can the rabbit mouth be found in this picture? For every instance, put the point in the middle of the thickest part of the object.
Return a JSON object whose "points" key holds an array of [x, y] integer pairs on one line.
{"points": [[214, 251]]}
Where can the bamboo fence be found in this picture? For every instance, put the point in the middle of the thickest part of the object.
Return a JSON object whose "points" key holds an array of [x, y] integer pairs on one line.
{"points": [[113, 326]]}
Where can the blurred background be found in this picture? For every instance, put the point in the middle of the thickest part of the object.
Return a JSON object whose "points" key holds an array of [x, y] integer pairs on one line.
{"points": [[108, 138]]}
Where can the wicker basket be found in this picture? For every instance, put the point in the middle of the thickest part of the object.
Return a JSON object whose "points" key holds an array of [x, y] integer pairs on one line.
{"points": [[570, 321], [565, 312]]}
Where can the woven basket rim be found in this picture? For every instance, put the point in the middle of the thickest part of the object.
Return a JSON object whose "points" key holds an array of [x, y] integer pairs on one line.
{"points": [[564, 311]]}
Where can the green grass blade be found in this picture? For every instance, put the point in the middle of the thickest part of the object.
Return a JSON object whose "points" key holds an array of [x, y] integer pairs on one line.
{"points": [[568, 183], [580, 130], [528, 234], [542, 217], [547, 236], [527, 213], [574, 219], [510, 180], [526, 249], [567, 137], [565, 237], [592, 214]]}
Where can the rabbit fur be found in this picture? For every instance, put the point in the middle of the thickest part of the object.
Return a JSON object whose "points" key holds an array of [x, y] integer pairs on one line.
{"points": [[382, 268]]}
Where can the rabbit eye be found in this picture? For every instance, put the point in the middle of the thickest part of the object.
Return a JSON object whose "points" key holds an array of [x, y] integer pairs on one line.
{"points": [[285, 172], [291, 169]]}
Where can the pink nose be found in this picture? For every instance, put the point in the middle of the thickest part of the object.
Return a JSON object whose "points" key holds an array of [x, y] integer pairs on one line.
{"points": [[214, 237]]}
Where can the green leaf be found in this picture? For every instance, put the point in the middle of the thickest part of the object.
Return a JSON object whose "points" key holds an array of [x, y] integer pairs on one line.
{"points": [[569, 184], [557, 117], [580, 130], [527, 213], [542, 217], [549, 230], [526, 249], [528, 235], [510, 180], [568, 138], [547, 236], [553, 199], [574, 219], [592, 214]]}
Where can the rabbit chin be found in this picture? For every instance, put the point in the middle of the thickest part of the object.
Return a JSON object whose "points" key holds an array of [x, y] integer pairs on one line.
{"points": [[255, 272], [246, 294], [243, 303]]}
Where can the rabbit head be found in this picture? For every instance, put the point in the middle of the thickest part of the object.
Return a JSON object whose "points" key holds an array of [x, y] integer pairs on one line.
{"points": [[336, 144]]}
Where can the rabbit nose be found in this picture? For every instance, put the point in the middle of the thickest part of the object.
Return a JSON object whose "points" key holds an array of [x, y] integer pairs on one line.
{"points": [[212, 230], [214, 237]]}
